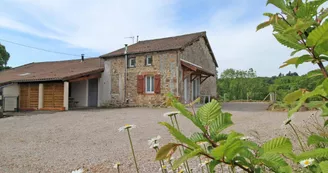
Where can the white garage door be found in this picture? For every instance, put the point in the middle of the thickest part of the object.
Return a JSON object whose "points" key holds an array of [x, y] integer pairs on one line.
{"points": [[10, 103]]}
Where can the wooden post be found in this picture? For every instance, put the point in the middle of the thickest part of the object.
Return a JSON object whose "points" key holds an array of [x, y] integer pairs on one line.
{"points": [[40, 100]]}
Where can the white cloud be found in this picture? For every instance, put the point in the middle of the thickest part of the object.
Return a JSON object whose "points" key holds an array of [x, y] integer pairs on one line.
{"points": [[102, 25]]}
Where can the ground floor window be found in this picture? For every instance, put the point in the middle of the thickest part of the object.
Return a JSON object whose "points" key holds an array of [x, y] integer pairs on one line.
{"points": [[149, 83]]}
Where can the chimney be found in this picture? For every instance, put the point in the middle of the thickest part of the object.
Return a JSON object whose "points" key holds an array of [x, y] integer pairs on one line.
{"points": [[82, 57], [126, 49], [137, 38]]}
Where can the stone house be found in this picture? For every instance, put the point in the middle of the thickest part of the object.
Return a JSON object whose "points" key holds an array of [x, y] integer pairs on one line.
{"points": [[137, 75], [145, 72]]}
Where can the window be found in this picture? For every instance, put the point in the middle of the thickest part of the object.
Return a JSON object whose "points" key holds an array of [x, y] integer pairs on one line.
{"points": [[149, 60], [149, 83], [132, 62]]}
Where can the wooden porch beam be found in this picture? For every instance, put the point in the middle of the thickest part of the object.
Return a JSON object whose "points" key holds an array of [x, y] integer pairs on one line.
{"points": [[85, 78], [201, 81]]}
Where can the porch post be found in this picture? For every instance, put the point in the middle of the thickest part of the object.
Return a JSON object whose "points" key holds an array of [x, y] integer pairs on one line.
{"points": [[66, 90], [40, 101]]}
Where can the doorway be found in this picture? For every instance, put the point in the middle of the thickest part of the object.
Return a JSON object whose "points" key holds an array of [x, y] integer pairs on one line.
{"points": [[93, 93]]}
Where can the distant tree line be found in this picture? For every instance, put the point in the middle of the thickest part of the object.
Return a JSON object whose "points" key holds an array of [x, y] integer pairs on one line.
{"points": [[245, 85], [4, 58]]}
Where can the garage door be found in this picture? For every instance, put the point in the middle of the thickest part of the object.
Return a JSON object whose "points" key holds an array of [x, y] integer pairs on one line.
{"points": [[29, 96], [53, 95]]}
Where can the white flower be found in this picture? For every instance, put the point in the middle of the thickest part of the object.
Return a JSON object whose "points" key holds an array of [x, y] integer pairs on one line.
{"points": [[169, 114], [247, 138], [307, 162], [78, 171], [116, 165], [154, 146], [154, 140], [127, 126]]}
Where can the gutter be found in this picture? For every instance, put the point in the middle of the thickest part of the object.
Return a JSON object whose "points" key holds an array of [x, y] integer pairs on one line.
{"points": [[126, 72]]}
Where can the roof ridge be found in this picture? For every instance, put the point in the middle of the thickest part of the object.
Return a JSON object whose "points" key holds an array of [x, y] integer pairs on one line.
{"points": [[64, 60], [195, 33]]}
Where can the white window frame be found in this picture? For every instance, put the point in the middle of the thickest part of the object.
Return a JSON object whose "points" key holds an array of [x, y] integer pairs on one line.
{"points": [[151, 83], [147, 60], [130, 62]]}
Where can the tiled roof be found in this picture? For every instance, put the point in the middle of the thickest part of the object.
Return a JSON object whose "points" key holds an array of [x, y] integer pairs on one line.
{"points": [[162, 44], [51, 71]]}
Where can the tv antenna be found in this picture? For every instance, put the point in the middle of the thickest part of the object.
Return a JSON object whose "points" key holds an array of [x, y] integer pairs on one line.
{"points": [[132, 37]]}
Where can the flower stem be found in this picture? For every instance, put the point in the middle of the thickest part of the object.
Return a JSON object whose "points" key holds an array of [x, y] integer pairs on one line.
{"points": [[118, 168], [208, 169], [221, 168], [298, 137], [134, 157], [200, 163], [176, 122]]}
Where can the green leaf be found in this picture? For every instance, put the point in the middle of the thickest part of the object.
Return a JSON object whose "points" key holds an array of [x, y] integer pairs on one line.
{"points": [[166, 151], [297, 60], [263, 25], [326, 123], [217, 137], [278, 145], [185, 157], [198, 137], [222, 122], [318, 35], [280, 4], [184, 111], [273, 161], [317, 91], [314, 154], [289, 41], [179, 136], [285, 169], [316, 139], [325, 85], [230, 148], [294, 52], [209, 112], [300, 25], [302, 59], [292, 97], [212, 165], [324, 166]]}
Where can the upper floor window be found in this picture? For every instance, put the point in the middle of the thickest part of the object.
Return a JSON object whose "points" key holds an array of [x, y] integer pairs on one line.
{"points": [[149, 84], [132, 62], [149, 60]]}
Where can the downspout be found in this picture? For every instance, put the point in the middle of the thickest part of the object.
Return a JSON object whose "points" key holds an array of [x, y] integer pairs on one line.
{"points": [[178, 72], [126, 71]]}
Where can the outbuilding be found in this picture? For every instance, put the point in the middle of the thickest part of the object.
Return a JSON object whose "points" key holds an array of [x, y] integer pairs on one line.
{"points": [[57, 85]]}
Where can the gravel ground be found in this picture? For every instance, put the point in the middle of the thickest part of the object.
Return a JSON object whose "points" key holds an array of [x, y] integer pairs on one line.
{"points": [[65, 141]]}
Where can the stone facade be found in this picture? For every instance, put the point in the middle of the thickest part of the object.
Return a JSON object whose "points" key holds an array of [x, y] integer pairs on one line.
{"points": [[199, 54], [164, 64], [167, 65]]}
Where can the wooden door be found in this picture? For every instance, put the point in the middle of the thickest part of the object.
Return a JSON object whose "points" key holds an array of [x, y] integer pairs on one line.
{"points": [[53, 95], [29, 96]]}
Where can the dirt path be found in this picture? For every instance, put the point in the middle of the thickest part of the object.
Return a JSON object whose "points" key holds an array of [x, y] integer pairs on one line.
{"points": [[64, 141]]}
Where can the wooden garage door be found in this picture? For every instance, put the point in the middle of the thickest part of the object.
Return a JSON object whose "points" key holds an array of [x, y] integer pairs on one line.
{"points": [[53, 95], [29, 96]]}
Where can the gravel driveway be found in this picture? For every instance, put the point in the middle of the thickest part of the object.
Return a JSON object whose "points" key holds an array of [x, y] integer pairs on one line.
{"points": [[65, 141]]}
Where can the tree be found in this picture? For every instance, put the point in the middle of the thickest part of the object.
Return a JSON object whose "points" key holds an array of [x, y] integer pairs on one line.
{"points": [[301, 26], [4, 56]]}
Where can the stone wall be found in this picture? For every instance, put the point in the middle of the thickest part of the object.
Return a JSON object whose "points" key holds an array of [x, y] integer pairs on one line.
{"points": [[198, 53], [164, 64]]}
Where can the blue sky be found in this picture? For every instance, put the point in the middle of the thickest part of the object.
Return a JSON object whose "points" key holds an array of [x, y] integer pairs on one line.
{"points": [[98, 27]]}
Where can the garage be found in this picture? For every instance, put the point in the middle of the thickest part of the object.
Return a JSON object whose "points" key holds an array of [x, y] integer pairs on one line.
{"points": [[29, 96]]}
